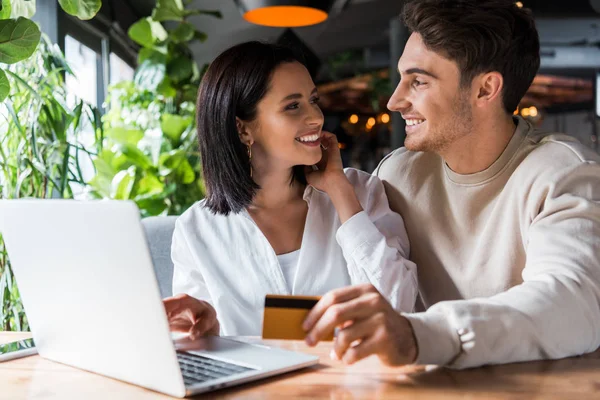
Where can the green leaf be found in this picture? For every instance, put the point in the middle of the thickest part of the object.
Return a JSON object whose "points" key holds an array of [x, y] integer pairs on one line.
{"points": [[125, 136], [151, 207], [18, 39], [136, 156], [4, 86], [82, 9], [144, 54], [149, 185], [166, 88], [183, 33], [22, 8], [201, 36], [173, 126], [212, 13], [167, 162], [151, 72], [5, 9], [169, 10], [175, 162], [190, 93], [106, 169], [77, 115], [185, 172], [180, 69], [147, 32], [122, 184], [24, 175]]}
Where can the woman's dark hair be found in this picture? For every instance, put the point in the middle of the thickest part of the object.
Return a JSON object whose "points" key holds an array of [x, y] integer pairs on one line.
{"points": [[233, 85], [481, 36]]}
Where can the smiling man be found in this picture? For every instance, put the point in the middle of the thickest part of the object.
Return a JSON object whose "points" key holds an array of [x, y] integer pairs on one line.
{"points": [[503, 220]]}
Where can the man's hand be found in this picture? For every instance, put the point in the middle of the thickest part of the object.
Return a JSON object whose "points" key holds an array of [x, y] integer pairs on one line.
{"points": [[369, 325], [189, 315]]}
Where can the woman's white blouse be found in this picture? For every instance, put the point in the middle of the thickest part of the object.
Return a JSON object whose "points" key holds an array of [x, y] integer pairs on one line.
{"points": [[228, 262]]}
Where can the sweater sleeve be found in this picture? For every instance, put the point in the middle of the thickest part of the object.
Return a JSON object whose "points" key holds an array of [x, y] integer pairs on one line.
{"points": [[376, 247], [554, 313]]}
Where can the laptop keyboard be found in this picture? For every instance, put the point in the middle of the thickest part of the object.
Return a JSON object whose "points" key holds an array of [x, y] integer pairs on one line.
{"points": [[197, 369]]}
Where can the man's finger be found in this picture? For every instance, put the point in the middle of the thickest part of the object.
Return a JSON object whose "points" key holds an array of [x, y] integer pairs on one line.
{"points": [[364, 349], [331, 298], [357, 331], [356, 309]]}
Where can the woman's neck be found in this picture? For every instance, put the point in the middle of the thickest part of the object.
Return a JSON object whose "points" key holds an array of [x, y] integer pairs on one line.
{"points": [[276, 191]]}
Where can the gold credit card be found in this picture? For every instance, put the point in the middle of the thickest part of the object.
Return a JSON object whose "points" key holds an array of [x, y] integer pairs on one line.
{"points": [[284, 316]]}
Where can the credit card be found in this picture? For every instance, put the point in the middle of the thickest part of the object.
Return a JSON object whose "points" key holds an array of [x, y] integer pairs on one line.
{"points": [[284, 315]]}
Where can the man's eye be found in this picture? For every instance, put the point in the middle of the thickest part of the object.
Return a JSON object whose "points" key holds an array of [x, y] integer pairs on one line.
{"points": [[417, 82], [315, 100]]}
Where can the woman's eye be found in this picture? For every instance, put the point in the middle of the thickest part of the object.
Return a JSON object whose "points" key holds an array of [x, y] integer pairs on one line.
{"points": [[292, 106], [315, 100]]}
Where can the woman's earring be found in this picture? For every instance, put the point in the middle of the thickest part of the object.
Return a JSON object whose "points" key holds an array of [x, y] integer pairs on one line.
{"points": [[250, 158]]}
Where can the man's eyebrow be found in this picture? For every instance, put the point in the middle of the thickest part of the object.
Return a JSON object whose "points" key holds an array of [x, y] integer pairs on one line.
{"points": [[420, 71]]}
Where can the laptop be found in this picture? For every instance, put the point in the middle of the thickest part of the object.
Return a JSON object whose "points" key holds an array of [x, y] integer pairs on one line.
{"points": [[88, 286]]}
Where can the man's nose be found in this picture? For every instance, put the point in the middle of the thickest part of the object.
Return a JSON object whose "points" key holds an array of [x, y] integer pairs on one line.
{"points": [[398, 101]]}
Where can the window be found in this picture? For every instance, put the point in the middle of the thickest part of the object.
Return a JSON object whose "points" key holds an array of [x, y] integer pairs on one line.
{"points": [[84, 63], [119, 70], [83, 85]]}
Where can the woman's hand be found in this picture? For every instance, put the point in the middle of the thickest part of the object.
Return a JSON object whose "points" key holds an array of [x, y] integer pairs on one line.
{"points": [[189, 315], [330, 171], [331, 179]]}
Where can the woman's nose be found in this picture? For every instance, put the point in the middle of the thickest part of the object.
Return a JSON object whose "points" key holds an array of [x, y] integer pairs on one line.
{"points": [[315, 116]]}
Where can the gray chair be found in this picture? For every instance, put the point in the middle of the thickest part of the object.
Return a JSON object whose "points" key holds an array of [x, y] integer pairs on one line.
{"points": [[159, 232]]}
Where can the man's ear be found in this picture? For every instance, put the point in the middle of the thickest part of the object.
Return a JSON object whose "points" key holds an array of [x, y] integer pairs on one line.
{"points": [[244, 132], [489, 88]]}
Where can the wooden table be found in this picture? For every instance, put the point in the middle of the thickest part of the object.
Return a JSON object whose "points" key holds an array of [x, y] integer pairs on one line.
{"points": [[572, 378]]}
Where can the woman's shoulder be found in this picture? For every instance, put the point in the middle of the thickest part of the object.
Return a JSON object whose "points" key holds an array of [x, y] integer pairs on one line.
{"points": [[198, 214]]}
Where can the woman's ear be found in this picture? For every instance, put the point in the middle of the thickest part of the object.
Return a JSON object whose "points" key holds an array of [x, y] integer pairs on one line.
{"points": [[243, 132]]}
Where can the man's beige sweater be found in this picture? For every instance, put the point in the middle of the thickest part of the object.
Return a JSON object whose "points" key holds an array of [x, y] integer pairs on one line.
{"points": [[508, 259]]}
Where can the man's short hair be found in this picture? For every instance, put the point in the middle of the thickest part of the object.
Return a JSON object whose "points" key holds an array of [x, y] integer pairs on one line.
{"points": [[481, 36]]}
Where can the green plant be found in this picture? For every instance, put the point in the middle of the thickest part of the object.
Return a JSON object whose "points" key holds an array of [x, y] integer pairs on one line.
{"points": [[150, 153], [19, 36], [40, 148]]}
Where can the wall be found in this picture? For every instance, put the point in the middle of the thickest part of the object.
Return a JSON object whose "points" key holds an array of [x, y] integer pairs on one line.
{"points": [[578, 124]]}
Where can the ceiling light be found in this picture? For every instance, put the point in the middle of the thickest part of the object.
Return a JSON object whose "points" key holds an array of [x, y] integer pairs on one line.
{"points": [[285, 13], [533, 111], [353, 119]]}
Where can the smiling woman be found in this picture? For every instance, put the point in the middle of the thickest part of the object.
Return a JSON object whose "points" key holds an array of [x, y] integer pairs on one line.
{"points": [[281, 216]]}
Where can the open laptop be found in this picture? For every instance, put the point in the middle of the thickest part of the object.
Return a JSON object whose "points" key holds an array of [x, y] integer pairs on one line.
{"points": [[88, 286]]}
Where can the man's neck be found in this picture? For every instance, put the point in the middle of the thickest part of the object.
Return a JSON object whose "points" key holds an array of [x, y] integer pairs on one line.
{"points": [[476, 151]]}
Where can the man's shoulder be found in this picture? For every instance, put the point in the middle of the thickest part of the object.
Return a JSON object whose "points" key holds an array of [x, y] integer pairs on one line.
{"points": [[402, 162], [554, 151]]}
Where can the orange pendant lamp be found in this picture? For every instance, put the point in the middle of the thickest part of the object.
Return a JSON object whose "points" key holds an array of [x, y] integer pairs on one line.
{"points": [[285, 13]]}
